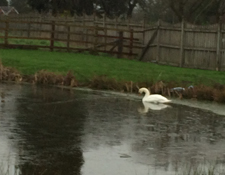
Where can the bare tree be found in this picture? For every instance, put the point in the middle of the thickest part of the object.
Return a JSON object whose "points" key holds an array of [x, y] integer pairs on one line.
{"points": [[3, 3], [155, 10], [115, 8], [197, 11]]}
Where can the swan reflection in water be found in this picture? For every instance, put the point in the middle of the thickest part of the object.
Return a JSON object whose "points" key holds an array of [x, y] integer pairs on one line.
{"points": [[152, 106]]}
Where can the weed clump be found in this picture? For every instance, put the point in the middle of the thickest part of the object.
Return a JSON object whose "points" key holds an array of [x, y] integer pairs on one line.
{"points": [[9, 74], [219, 95], [105, 83], [202, 92], [46, 77]]}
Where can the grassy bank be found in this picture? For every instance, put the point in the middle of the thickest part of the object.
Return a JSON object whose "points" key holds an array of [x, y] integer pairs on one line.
{"points": [[102, 69], [85, 65]]}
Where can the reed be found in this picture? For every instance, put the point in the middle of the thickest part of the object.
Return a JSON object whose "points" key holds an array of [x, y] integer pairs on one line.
{"points": [[202, 169], [9, 73]]}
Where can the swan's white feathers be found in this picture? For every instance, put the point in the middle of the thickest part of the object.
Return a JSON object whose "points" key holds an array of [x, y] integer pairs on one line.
{"points": [[155, 98]]}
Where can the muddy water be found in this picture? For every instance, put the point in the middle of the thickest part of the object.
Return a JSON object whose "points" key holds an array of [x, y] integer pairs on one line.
{"points": [[53, 131]]}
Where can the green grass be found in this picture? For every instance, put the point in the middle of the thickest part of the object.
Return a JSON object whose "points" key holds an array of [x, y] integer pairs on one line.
{"points": [[31, 42], [85, 65]]}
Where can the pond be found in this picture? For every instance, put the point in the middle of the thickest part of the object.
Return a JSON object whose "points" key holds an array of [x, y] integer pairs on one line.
{"points": [[53, 131]]}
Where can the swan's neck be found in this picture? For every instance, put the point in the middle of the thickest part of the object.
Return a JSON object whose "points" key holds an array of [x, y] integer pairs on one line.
{"points": [[147, 93]]}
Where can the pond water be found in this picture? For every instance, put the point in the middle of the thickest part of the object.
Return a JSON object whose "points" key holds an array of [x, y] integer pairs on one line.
{"points": [[53, 131]]}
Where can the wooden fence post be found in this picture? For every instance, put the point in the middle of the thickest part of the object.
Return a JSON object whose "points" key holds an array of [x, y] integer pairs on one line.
{"points": [[105, 31], [120, 44], [218, 46], [144, 23], [158, 42], [143, 28], [84, 35], [68, 38], [95, 38], [28, 29], [52, 36], [131, 42], [94, 18], [6, 32], [182, 43], [128, 22], [116, 23]]}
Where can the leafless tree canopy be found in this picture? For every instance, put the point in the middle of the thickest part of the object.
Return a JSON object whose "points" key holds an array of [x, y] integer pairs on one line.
{"points": [[195, 11]]}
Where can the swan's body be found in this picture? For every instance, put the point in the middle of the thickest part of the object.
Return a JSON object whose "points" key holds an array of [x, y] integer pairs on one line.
{"points": [[155, 98]]}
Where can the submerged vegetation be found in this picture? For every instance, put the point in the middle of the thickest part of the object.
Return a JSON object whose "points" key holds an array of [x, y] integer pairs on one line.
{"points": [[105, 72], [206, 168]]}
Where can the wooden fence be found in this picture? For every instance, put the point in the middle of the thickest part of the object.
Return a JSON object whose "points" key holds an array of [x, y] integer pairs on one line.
{"points": [[183, 45], [186, 45], [120, 39]]}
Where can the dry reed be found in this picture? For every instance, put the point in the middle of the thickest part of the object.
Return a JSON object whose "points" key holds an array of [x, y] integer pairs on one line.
{"points": [[10, 74], [46, 77], [105, 83]]}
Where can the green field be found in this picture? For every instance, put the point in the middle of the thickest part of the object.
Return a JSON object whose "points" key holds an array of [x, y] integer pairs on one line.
{"points": [[85, 66], [31, 42]]}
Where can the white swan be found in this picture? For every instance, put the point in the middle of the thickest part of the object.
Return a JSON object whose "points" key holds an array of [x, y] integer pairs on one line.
{"points": [[155, 98]]}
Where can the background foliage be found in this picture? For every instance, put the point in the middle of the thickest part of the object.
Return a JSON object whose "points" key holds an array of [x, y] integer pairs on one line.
{"points": [[194, 11], [3, 3]]}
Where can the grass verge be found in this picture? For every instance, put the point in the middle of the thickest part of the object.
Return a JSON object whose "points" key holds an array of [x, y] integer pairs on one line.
{"points": [[105, 72]]}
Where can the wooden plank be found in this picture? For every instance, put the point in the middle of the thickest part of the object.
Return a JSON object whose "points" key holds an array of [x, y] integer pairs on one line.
{"points": [[25, 22], [21, 46], [56, 47], [28, 38], [218, 45], [95, 43], [200, 49], [148, 44], [62, 24], [71, 25], [131, 41], [189, 30], [68, 39], [182, 43], [188, 48], [105, 31], [65, 40], [124, 53], [52, 39], [120, 45], [118, 37], [150, 29], [200, 30], [6, 32], [71, 33], [158, 42]]}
